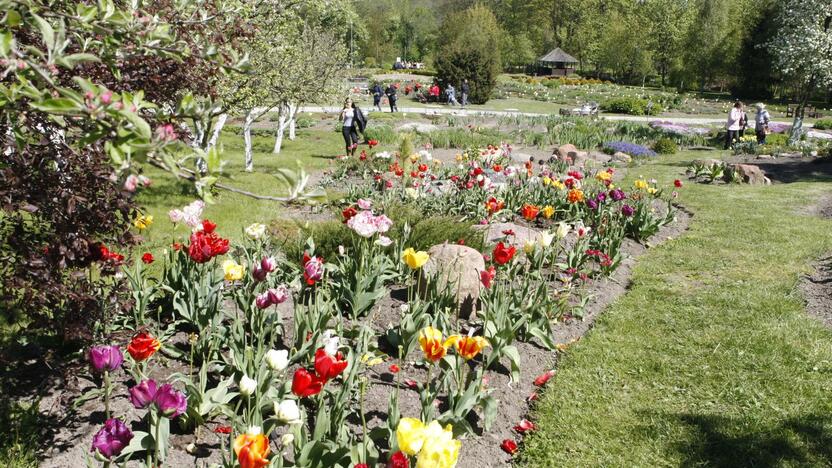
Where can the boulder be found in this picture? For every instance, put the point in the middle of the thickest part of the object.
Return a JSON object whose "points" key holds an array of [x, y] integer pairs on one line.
{"points": [[418, 127], [751, 174], [458, 266], [622, 158], [765, 156], [599, 157], [567, 150], [521, 157], [580, 159], [494, 234]]}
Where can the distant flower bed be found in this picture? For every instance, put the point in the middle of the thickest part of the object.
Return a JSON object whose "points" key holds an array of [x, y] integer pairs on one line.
{"points": [[678, 128], [775, 127], [632, 149]]}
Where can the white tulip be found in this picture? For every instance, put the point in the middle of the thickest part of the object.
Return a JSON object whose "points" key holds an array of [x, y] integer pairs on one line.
{"points": [[287, 440], [277, 360], [330, 342], [544, 239], [256, 230], [247, 386], [563, 230], [287, 412]]}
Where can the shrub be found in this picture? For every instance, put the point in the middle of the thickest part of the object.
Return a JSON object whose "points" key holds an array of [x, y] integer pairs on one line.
{"points": [[384, 133], [823, 124], [469, 48], [665, 146], [631, 106]]}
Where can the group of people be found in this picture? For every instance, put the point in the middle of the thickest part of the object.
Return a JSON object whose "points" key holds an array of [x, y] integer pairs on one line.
{"points": [[391, 92], [738, 124], [434, 94]]}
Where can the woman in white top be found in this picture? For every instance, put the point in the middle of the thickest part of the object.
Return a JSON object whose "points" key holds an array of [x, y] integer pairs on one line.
{"points": [[734, 124], [353, 122]]}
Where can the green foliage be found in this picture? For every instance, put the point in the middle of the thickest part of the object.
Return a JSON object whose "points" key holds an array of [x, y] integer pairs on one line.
{"points": [[406, 147], [384, 133], [441, 229], [823, 124], [469, 48], [631, 106], [665, 145]]}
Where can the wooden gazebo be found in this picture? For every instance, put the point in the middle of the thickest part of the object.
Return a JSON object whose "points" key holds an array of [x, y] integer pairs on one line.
{"points": [[556, 63]]}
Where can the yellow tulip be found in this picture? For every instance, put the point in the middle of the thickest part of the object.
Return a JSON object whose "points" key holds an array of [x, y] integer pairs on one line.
{"points": [[410, 435], [640, 184], [430, 340], [529, 246], [439, 449], [414, 259], [652, 190], [547, 181], [233, 270], [603, 176], [143, 222], [468, 346], [548, 211]]}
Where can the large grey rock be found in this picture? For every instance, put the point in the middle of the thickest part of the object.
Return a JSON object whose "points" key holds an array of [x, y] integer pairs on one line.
{"points": [[418, 127], [457, 267], [495, 233], [599, 157], [622, 158], [567, 150], [751, 174]]}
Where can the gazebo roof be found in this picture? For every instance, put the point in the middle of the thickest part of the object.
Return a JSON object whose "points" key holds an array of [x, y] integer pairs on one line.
{"points": [[558, 55]]}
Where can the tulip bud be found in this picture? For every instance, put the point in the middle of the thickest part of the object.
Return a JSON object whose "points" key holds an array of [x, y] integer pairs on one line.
{"points": [[105, 358], [287, 439], [277, 360], [529, 246], [287, 412], [258, 273], [247, 386], [143, 394], [269, 264], [278, 295], [170, 402], [262, 301]]}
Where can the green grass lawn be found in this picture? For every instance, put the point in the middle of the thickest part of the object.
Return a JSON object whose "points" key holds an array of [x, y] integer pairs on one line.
{"points": [[313, 150], [710, 358]]}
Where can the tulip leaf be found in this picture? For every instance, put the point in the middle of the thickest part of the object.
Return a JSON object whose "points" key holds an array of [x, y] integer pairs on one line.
{"points": [[88, 396], [141, 442]]}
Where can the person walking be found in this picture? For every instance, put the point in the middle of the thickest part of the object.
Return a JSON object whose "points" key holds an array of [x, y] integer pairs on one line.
{"points": [[450, 92], [390, 92], [734, 124], [761, 121], [465, 90], [377, 93], [354, 121]]}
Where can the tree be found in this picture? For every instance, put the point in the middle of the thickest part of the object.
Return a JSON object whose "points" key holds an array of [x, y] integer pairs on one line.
{"points": [[469, 48], [80, 112], [803, 50]]}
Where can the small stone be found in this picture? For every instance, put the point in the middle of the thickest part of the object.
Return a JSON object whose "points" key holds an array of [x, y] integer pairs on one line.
{"points": [[620, 157]]}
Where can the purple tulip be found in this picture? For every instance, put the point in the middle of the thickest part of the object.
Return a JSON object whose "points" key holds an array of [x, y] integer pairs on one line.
{"points": [[592, 204], [278, 295], [105, 358], [258, 273], [143, 394], [262, 301], [627, 210], [269, 264], [111, 439], [617, 194], [170, 402], [601, 197]]}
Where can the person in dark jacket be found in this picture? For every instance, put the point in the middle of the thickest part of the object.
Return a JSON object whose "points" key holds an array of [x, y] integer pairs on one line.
{"points": [[464, 89], [391, 96], [377, 93], [354, 121]]}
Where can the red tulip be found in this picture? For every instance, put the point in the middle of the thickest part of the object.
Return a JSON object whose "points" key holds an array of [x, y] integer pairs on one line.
{"points": [[530, 212], [328, 367], [394, 368], [348, 213], [677, 183], [503, 254], [509, 446], [543, 378], [147, 258], [142, 346], [398, 460], [306, 384], [524, 426], [222, 430]]}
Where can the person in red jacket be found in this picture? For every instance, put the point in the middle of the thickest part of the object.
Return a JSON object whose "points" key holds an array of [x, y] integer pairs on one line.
{"points": [[433, 94]]}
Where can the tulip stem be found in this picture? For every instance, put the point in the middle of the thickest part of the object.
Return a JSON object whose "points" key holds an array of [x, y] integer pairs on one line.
{"points": [[156, 441], [107, 394]]}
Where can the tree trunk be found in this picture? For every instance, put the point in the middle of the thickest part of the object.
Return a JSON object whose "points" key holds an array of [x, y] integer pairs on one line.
{"points": [[247, 138], [282, 123], [217, 129], [797, 124], [293, 113]]}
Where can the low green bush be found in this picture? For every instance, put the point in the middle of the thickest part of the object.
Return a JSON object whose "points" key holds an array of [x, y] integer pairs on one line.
{"points": [[665, 145], [631, 106], [384, 133], [823, 124]]}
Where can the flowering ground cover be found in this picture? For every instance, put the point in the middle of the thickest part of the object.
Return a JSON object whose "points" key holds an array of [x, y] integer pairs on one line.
{"points": [[730, 370]]}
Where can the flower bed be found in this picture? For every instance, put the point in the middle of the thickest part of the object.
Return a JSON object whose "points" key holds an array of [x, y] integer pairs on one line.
{"points": [[313, 361]]}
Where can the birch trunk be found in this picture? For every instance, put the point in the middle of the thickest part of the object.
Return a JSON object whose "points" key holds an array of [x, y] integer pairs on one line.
{"points": [[247, 137], [282, 123], [216, 135], [293, 113]]}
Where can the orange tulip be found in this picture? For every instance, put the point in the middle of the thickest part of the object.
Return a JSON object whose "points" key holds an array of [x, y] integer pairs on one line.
{"points": [[575, 196], [530, 212], [252, 450], [469, 346], [430, 339]]}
